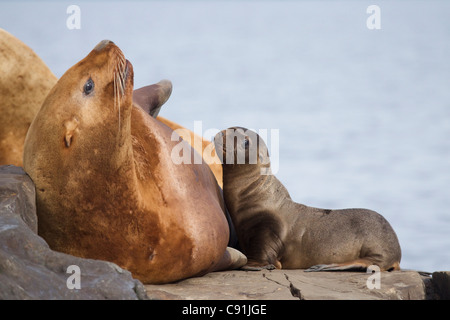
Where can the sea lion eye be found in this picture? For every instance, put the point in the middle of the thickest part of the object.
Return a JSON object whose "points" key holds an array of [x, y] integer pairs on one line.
{"points": [[88, 86]]}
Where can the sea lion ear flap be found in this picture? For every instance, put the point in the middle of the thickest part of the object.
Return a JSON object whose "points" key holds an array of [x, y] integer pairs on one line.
{"points": [[70, 127], [151, 98]]}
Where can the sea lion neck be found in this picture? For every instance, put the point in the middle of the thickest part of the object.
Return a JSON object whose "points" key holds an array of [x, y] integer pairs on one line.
{"points": [[251, 181], [247, 172]]}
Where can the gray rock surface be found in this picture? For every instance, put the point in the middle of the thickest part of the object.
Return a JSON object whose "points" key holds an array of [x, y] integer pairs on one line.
{"points": [[29, 269], [293, 284], [17, 196]]}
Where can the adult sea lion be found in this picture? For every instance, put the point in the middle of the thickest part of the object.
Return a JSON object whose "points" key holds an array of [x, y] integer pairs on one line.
{"points": [[106, 186], [25, 81], [273, 230]]}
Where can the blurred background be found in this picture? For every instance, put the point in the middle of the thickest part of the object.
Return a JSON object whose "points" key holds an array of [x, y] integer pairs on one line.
{"points": [[363, 115]]}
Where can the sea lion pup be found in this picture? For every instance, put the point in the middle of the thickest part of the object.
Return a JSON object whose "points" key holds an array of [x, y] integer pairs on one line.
{"points": [[273, 230], [25, 81], [106, 186]]}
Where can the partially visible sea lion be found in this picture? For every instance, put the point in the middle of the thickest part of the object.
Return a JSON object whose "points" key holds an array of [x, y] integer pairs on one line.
{"points": [[106, 186], [25, 81], [273, 230]]}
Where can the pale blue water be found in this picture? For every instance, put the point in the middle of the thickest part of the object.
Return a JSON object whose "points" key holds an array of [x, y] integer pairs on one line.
{"points": [[363, 115]]}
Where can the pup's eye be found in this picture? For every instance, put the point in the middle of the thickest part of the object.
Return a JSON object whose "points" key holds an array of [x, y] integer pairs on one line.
{"points": [[246, 143], [88, 86]]}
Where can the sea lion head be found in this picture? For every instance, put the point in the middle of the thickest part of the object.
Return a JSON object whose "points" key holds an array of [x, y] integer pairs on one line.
{"points": [[88, 111], [239, 147]]}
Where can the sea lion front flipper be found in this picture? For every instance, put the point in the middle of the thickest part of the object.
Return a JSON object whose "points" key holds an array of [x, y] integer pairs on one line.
{"points": [[337, 267], [258, 268], [253, 265], [152, 97], [231, 260]]}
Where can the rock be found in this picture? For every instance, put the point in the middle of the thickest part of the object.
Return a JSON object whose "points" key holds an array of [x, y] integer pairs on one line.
{"points": [[17, 195], [293, 284], [24, 83], [29, 269], [441, 283]]}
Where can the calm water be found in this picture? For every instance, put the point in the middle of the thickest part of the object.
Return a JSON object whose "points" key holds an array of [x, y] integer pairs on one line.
{"points": [[363, 115]]}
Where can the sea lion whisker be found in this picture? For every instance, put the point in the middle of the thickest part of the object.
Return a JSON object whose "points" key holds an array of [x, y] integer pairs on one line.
{"points": [[119, 117], [117, 96], [122, 81], [122, 65], [115, 89], [121, 86], [122, 62]]}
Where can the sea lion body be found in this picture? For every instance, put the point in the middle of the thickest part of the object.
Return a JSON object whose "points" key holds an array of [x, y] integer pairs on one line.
{"points": [[204, 147], [24, 83], [273, 230], [151, 98], [107, 187]]}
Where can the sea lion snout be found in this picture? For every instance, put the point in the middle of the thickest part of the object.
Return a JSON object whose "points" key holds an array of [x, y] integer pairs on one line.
{"points": [[219, 144], [218, 141], [102, 44]]}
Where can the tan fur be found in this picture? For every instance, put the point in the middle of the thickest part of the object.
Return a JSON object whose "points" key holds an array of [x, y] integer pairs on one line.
{"points": [[112, 192], [24, 83], [203, 148], [275, 231]]}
